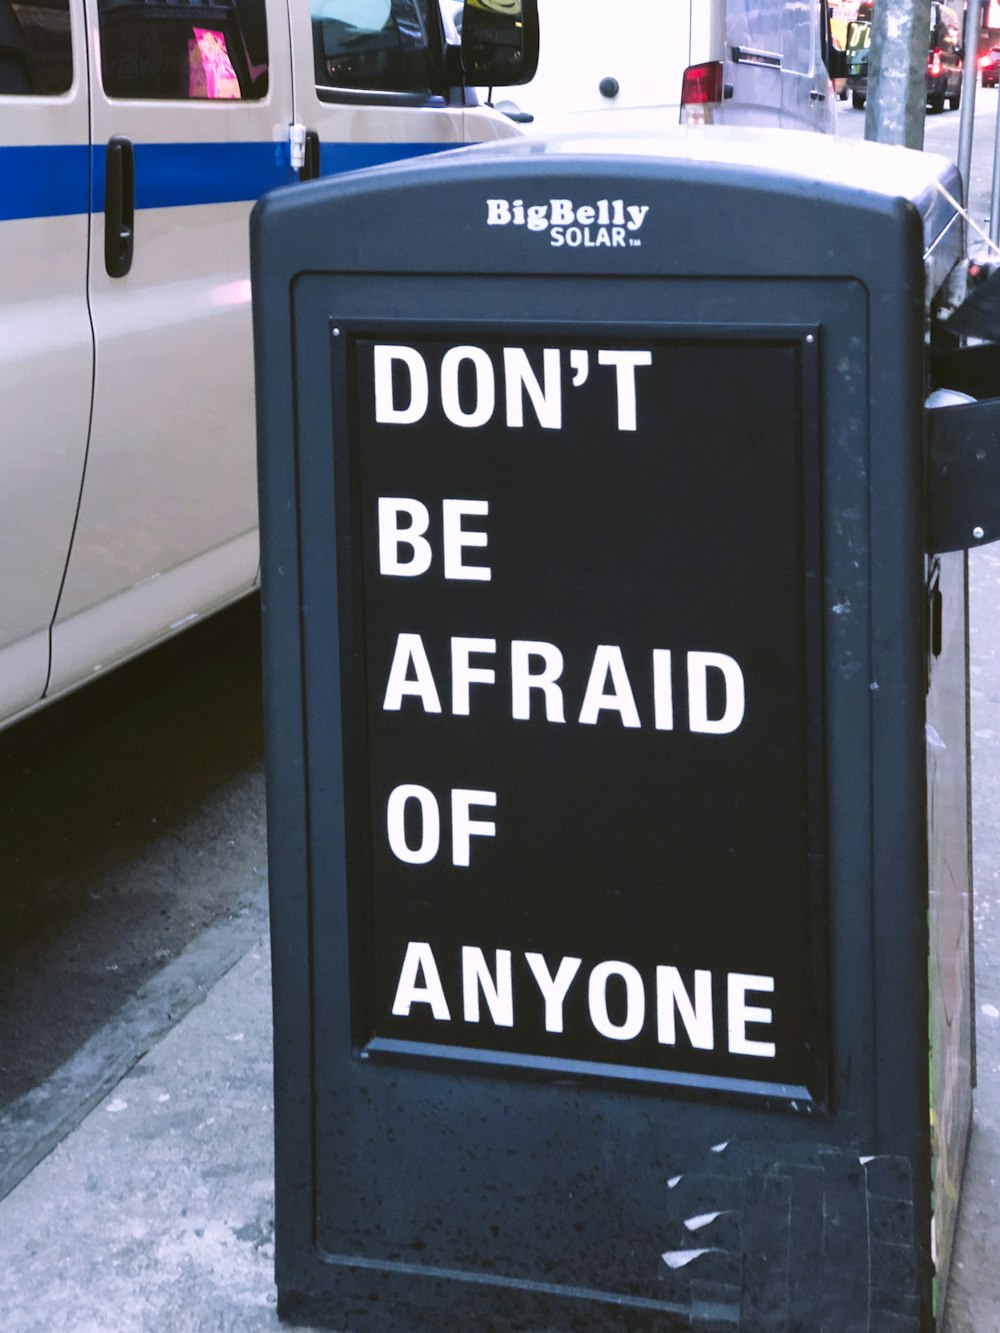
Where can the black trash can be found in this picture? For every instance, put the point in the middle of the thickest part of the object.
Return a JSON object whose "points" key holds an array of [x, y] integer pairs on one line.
{"points": [[615, 673]]}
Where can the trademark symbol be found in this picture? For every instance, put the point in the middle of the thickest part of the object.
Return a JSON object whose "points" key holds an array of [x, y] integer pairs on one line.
{"points": [[635, 242]]}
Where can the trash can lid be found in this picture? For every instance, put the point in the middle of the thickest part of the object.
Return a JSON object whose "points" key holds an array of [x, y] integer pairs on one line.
{"points": [[787, 156]]}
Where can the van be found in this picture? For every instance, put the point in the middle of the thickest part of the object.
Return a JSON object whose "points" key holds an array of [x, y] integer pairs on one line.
{"points": [[134, 137], [653, 64], [944, 58]]}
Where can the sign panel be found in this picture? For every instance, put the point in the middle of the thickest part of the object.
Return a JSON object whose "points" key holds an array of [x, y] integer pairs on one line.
{"points": [[580, 581]]}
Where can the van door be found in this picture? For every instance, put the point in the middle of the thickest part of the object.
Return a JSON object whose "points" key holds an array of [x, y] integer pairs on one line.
{"points": [[807, 97], [371, 86], [46, 350], [755, 63], [191, 108], [775, 66]]}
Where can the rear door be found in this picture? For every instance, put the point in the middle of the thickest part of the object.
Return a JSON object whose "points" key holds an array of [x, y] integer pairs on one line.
{"points": [[775, 67], [807, 97], [190, 112], [46, 350], [755, 63], [628, 59]]}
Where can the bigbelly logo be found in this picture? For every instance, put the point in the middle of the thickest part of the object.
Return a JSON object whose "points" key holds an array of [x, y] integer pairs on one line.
{"points": [[606, 222]]}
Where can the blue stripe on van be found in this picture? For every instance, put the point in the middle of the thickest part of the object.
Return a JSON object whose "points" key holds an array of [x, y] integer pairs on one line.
{"points": [[172, 175], [48, 181], [337, 157], [51, 181]]}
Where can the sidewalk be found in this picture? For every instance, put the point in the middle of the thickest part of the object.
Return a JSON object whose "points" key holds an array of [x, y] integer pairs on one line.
{"points": [[156, 1214], [157, 1211]]}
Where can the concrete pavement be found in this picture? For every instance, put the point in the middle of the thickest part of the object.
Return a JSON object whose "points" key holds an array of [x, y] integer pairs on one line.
{"points": [[156, 1212]]}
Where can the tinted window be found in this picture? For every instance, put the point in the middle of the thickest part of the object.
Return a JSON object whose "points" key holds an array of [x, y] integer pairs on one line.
{"points": [[382, 45], [35, 54], [200, 51], [944, 28]]}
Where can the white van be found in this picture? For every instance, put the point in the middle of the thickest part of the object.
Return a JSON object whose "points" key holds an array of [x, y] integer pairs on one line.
{"points": [[655, 63], [134, 137]]}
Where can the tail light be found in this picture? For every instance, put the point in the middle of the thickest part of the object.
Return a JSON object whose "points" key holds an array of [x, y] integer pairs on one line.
{"points": [[702, 88], [934, 63]]}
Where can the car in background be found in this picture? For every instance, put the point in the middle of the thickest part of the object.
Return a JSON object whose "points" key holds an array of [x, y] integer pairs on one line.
{"points": [[857, 47], [944, 58], [989, 67]]}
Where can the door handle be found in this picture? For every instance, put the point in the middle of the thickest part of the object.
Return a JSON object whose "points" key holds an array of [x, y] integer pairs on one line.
{"points": [[816, 96], [310, 160], [119, 206]]}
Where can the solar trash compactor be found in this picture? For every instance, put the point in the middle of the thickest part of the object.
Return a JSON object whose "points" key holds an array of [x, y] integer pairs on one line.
{"points": [[616, 694]]}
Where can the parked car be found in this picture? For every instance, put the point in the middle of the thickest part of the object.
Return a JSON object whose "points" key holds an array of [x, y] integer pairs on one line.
{"points": [[989, 67], [944, 59]]}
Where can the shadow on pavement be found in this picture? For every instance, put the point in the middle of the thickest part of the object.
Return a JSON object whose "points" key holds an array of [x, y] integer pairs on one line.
{"points": [[133, 818]]}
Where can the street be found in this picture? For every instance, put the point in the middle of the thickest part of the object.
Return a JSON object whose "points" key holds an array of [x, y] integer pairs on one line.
{"points": [[133, 816], [134, 827]]}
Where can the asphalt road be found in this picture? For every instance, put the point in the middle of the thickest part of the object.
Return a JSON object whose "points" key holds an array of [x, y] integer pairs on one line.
{"points": [[133, 818]]}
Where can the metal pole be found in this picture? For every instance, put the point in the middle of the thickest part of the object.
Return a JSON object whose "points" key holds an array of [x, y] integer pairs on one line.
{"points": [[970, 79], [995, 193], [897, 74]]}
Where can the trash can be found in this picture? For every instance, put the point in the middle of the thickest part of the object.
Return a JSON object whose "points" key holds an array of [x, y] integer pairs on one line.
{"points": [[616, 692]]}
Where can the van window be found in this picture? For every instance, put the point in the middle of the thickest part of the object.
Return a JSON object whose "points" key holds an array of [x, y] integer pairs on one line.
{"points": [[36, 57], [213, 50], [381, 45]]}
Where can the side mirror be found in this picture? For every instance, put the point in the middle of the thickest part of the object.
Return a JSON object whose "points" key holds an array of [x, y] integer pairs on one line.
{"points": [[499, 42]]}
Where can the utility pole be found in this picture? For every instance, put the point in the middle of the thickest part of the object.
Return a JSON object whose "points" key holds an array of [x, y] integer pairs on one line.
{"points": [[897, 72], [970, 78]]}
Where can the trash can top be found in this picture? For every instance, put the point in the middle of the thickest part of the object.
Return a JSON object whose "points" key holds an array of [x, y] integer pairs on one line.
{"points": [[882, 171], [695, 182]]}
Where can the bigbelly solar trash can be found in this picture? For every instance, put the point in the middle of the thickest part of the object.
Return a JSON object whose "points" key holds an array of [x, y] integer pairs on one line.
{"points": [[617, 749]]}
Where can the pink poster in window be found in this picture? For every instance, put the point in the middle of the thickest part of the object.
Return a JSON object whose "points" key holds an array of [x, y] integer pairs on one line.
{"points": [[211, 72]]}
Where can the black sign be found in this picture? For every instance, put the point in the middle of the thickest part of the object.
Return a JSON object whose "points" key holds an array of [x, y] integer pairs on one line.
{"points": [[581, 576]]}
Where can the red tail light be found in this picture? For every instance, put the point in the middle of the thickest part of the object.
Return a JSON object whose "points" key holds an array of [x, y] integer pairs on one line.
{"points": [[702, 84], [934, 63]]}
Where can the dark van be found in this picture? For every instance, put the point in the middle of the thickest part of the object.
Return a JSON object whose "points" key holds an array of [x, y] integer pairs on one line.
{"points": [[944, 58]]}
